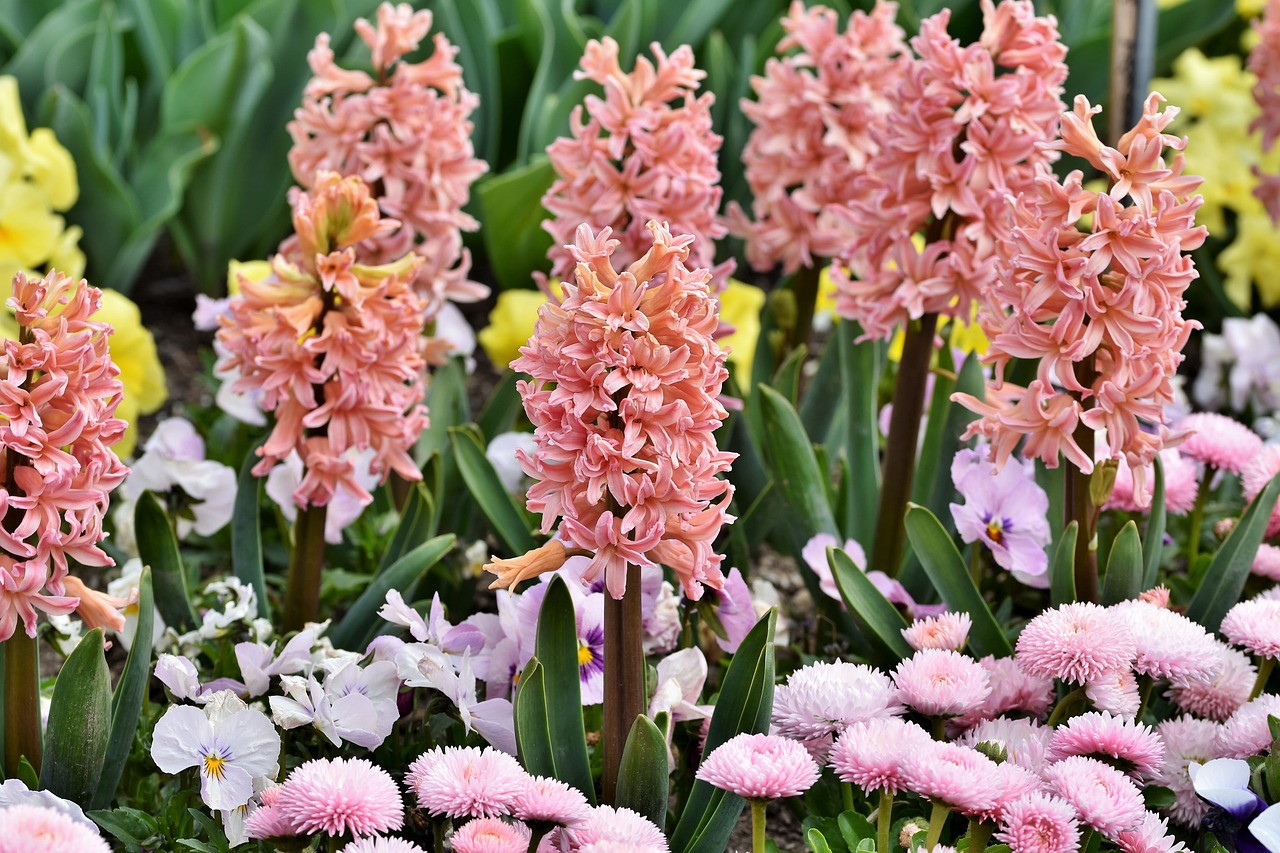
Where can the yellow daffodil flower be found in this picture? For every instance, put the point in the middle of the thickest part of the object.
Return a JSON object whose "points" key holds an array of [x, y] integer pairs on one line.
{"points": [[511, 324], [740, 306], [133, 349]]}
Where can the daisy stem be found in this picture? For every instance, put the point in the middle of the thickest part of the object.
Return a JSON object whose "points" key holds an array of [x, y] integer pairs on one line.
{"points": [[1060, 710], [979, 835], [1145, 685], [846, 795], [437, 832], [884, 821], [536, 837], [1265, 666], [1197, 517], [939, 728], [624, 674], [302, 590], [937, 819], [757, 825], [21, 702], [900, 449]]}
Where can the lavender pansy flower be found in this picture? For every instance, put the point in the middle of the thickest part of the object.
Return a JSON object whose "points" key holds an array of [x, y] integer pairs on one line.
{"points": [[1004, 510]]}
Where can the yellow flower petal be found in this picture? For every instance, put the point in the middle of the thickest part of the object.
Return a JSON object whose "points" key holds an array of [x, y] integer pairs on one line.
{"points": [[510, 326], [253, 271], [133, 349], [740, 306]]}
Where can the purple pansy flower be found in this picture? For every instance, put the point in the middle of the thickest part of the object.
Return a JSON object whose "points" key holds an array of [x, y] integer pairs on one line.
{"points": [[1006, 511]]}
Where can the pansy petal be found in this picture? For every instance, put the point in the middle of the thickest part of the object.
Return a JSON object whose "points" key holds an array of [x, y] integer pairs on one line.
{"points": [[229, 788], [1266, 828], [255, 741], [178, 737]]}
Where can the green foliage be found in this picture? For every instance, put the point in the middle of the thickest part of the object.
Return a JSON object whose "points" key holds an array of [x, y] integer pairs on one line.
{"points": [[1123, 579], [129, 696], [644, 780], [158, 548], [557, 649], [1224, 580], [79, 727]]}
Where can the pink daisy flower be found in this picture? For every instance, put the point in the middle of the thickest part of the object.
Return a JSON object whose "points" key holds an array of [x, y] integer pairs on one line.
{"points": [[1115, 692], [1218, 696], [1219, 441], [1012, 784], [1169, 645], [382, 845], [1013, 690], [1186, 740], [491, 835], [342, 795], [1254, 625], [268, 820], [1137, 749], [1181, 483], [1150, 836], [1266, 563], [549, 801], [869, 754], [1039, 823], [1025, 742], [465, 781], [1245, 733], [36, 829], [1255, 475], [623, 826], [1103, 797], [760, 767], [827, 697], [945, 631], [1076, 642], [941, 683], [961, 778]]}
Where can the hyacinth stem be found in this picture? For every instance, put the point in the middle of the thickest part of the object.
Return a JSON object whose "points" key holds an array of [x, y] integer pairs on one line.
{"points": [[623, 675], [757, 825], [979, 835], [1265, 665], [804, 286], [900, 451], [1079, 503], [884, 820], [937, 820], [1197, 516], [302, 590], [21, 702]]}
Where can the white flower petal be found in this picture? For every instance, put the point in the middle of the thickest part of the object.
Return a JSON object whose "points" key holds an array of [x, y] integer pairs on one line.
{"points": [[177, 738]]}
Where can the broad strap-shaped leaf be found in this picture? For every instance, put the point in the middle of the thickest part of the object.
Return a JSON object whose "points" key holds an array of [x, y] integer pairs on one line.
{"points": [[795, 466], [131, 691], [557, 649], [1062, 571], [447, 401], [413, 529], [945, 567], [1123, 580], [158, 548], [860, 377], [360, 624], [870, 608], [1153, 540], [511, 211], [79, 726], [532, 721], [745, 705], [246, 535], [506, 517], [1223, 582], [644, 780]]}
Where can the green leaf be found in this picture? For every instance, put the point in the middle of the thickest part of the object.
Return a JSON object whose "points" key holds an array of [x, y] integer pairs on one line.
{"points": [[1123, 580], [1153, 540], [360, 623], [532, 720], [872, 610], [795, 466], [246, 534], [504, 514], [816, 841], [1228, 571], [133, 827], [1062, 577], [502, 407], [79, 726], [414, 526], [644, 781], [131, 691], [786, 381], [745, 704], [447, 402], [932, 456], [158, 548], [945, 567], [511, 212], [696, 20], [855, 829], [860, 375], [557, 649]]}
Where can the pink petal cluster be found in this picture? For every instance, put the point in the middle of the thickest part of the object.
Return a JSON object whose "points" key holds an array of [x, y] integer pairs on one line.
{"points": [[466, 781], [944, 631], [1219, 695], [826, 697], [35, 829], [382, 845], [962, 778], [870, 754], [817, 115], [1254, 625], [333, 346], [1187, 740], [1039, 823], [1259, 471], [330, 797], [1121, 741], [623, 398], [58, 399], [549, 801], [760, 767], [1103, 797], [1168, 645], [1013, 690], [1181, 482], [941, 683], [966, 126], [609, 829], [1264, 63], [491, 835], [1076, 642], [646, 151], [1245, 733], [1218, 440], [405, 130], [1110, 297]]}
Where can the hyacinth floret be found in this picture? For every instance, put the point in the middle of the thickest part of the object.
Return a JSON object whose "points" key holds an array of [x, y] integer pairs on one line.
{"points": [[405, 129], [968, 124], [645, 151], [58, 398], [1100, 309], [623, 398], [1264, 63], [333, 345]]}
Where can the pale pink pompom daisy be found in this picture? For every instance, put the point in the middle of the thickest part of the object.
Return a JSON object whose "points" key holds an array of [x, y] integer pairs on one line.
{"points": [[382, 845], [1103, 797], [828, 696], [1013, 690], [1168, 645], [1255, 475], [1181, 483], [621, 826], [1186, 739], [1025, 742], [491, 835], [36, 829], [760, 767], [962, 778], [1076, 642], [342, 795], [941, 683], [1219, 441], [1254, 625], [268, 820], [1266, 563], [465, 781], [542, 800], [1150, 836], [1218, 696], [1245, 733], [870, 753], [1126, 743], [1039, 823], [944, 631], [1115, 692]]}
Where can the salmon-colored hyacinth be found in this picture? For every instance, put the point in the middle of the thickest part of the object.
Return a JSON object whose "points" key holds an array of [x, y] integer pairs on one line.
{"points": [[406, 131], [333, 345], [645, 151], [1112, 293], [1264, 62], [623, 397], [58, 395]]}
